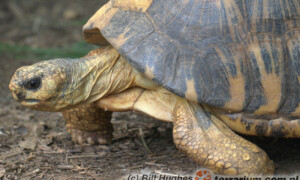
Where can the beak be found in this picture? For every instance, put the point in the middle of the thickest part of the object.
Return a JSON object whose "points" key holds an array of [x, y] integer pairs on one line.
{"points": [[13, 87]]}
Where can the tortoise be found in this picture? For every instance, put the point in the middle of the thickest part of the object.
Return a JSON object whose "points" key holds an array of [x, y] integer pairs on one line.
{"points": [[212, 68]]}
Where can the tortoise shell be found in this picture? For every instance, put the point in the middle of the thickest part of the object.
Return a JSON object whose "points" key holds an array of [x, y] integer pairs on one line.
{"points": [[239, 55]]}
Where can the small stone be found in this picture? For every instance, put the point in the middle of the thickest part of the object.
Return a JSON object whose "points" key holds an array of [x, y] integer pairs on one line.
{"points": [[2, 133], [161, 129], [46, 141], [89, 140], [28, 144], [2, 173]]}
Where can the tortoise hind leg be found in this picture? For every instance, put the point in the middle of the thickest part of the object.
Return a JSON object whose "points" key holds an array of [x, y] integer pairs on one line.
{"points": [[89, 124], [210, 143]]}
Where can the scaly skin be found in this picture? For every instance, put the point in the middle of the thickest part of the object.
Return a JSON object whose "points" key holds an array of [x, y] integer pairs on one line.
{"points": [[89, 124], [104, 79], [210, 143]]}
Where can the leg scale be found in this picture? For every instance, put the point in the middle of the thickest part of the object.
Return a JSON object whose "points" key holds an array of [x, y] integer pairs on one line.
{"points": [[89, 124], [211, 144]]}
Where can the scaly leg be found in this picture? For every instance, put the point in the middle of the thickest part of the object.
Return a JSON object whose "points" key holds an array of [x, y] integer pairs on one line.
{"points": [[209, 142], [197, 132], [89, 124]]}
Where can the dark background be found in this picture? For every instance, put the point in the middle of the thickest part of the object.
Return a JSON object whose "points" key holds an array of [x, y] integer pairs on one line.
{"points": [[35, 145]]}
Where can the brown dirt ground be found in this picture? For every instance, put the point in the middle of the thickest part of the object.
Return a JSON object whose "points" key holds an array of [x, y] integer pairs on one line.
{"points": [[35, 145]]}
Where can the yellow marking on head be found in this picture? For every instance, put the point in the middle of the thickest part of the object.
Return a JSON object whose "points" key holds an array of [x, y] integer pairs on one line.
{"points": [[136, 5], [191, 93]]}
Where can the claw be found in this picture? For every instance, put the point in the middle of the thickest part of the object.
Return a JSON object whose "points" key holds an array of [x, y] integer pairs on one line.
{"points": [[90, 137]]}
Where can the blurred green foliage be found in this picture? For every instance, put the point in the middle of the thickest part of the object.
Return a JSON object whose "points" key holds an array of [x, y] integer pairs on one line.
{"points": [[77, 50]]}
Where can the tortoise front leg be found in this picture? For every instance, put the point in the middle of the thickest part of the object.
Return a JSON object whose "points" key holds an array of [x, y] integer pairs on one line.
{"points": [[209, 142], [89, 124]]}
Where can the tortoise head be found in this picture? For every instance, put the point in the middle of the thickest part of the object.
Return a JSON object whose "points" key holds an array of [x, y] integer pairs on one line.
{"points": [[60, 84], [41, 86]]}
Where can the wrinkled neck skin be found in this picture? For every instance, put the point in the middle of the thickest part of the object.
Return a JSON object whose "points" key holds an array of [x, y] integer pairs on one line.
{"points": [[98, 76]]}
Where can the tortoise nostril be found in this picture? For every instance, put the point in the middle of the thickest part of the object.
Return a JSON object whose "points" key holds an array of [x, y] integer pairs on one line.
{"points": [[12, 86], [20, 96]]}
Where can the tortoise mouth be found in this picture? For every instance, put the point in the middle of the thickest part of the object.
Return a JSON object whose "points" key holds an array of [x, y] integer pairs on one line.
{"points": [[29, 102], [32, 100]]}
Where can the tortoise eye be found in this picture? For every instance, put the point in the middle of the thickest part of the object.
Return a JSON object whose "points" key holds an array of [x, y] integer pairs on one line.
{"points": [[33, 84]]}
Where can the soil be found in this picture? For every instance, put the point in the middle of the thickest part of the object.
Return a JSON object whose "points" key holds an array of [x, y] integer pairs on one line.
{"points": [[35, 145]]}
